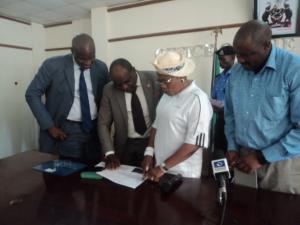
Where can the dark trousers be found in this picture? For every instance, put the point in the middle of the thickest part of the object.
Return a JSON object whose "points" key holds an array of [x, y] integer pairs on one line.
{"points": [[220, 140], [79, 145], [133, 153]]}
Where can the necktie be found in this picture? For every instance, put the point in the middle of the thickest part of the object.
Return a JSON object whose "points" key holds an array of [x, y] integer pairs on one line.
{"points": [[86, 120], [137, 115]]}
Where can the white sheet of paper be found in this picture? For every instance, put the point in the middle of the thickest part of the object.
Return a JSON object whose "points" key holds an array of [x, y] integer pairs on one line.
{"points": [[124, 175], [245, 179]]}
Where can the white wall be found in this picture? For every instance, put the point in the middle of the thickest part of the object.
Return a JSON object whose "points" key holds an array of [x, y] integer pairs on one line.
{"points": [[17, 65], [169, 16], [291, 44], [61, 36], [100, 32]]}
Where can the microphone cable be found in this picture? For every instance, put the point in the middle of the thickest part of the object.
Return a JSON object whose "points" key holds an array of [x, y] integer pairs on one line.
{"points": [[224, 203]]}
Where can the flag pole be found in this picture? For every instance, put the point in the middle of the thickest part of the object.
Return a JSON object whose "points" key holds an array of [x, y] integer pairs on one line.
{"points": [[216, 33]]}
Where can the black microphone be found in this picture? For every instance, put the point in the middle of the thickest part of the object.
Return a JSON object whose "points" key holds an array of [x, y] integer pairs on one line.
{"points": [[221, 172]]}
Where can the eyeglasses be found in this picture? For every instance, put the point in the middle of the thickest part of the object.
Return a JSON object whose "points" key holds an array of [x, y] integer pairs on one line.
{"points": [[164, 81]]}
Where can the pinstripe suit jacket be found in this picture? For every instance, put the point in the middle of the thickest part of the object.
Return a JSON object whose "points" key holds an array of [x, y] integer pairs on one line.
{"points": [[55, 79]]}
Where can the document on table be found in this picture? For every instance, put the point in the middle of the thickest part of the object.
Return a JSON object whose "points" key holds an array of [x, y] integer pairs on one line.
{"points": [[125, 175]]}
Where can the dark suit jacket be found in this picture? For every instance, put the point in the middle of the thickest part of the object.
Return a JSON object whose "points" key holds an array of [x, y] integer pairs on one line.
{"points": [[55, 79], [113, 110]]}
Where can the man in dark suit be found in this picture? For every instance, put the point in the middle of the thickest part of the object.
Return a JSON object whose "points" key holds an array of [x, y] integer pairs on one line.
{"points": [[72, 85], [129, 103]]}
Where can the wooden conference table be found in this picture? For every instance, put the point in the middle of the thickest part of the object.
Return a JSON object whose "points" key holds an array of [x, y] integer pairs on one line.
{"points": [[28, 197]]}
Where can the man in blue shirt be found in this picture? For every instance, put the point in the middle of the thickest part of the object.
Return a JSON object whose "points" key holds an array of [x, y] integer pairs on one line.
{"points": [[262, 119], [226, 57]]}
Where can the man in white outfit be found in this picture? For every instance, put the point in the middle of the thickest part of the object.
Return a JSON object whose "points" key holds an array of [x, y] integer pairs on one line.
{"points": [[181, 128]]}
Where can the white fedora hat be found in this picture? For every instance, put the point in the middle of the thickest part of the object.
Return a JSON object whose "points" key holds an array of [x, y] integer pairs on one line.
{"points": [[174, 64]]}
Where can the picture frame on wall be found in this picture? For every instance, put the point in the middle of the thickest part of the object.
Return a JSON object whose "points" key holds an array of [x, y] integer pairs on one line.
{"points": [[283, 16]]}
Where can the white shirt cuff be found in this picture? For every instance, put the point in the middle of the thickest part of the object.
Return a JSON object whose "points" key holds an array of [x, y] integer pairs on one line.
{"points": [[149, 151], [109, 153]]}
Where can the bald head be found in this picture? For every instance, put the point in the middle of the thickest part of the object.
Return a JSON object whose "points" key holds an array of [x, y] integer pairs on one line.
{"points": [[255, 30], [83, 50], [123, 74], [83, 42], [252, 44]]}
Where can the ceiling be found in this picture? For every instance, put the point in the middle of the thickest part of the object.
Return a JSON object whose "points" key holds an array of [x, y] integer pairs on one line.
{"points": [[53, 11]]}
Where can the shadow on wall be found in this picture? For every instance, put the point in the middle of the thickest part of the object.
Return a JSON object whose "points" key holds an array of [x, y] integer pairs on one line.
{"points": [[18, 130]]}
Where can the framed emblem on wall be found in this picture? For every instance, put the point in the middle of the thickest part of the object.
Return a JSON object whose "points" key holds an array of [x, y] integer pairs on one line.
{"points": [[283, 16]]}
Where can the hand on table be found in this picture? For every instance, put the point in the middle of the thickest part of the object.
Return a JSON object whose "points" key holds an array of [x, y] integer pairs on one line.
{"points": [[147, 163], [112, 162], [154, 174]]}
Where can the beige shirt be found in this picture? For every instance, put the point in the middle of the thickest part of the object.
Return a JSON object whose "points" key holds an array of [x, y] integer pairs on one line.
{"points": [[131, 131], [140, 93]]}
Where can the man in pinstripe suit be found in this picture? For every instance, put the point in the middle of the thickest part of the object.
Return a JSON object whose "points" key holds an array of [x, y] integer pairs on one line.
{"points": [[60, 117]]}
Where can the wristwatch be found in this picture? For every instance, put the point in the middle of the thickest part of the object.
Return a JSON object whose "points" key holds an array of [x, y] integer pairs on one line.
{"points": [[164, 167]]}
